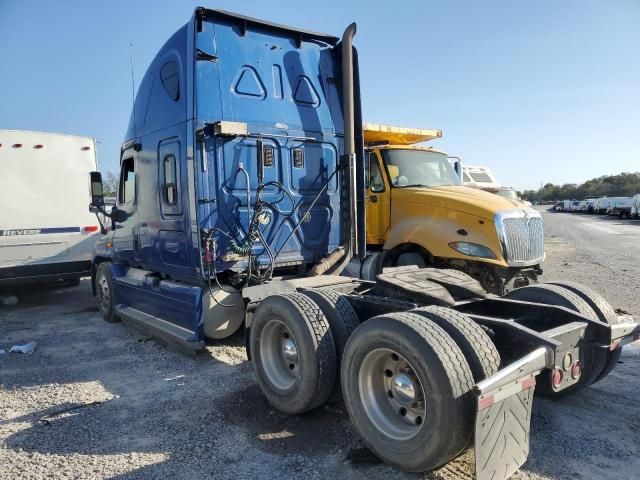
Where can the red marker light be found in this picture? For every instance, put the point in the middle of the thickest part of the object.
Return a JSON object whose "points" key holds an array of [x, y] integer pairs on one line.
{"points": [[38, 146], [89, 229], [576, 370], [17, 145], [84, 149], [557, 378]]}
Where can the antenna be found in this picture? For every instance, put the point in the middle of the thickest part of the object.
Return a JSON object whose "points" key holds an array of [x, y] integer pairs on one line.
{"points": [[133, 89]]}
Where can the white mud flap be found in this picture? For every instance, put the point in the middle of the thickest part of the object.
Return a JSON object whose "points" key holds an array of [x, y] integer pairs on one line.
{"points": [[502, 434], [503, 418]]}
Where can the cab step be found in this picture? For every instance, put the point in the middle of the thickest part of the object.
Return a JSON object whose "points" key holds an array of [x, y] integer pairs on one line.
{"points": [[165, 332]]}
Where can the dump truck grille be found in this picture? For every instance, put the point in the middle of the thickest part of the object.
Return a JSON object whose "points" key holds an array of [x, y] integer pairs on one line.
{"points": [[522, 236]]}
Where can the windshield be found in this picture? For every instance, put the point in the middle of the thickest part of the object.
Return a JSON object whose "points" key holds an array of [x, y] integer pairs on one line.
{"points": [[419, 168], [510, 194]]}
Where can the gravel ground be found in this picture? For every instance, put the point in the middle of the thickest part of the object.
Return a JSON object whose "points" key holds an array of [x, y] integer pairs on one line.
{"points": [[96, 400]]}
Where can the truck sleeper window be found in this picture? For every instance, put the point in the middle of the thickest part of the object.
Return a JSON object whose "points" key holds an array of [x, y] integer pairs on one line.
{"points": [[419, 168], [127, 189]]}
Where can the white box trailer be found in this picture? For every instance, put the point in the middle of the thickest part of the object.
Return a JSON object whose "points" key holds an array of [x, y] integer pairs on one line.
{"points": [[46, 232]]}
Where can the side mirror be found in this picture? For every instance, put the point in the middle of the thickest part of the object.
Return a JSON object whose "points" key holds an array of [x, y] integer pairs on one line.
{"points": [[118, 215], [457, 166], [97, 192]]}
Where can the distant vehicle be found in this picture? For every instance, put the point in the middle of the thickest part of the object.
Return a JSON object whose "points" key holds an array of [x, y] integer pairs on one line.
{"points": [[559, 206], [582, 206], [600, 205], [635, 206], [46, 233], [621, 207], [591, 205], [479, 177]]}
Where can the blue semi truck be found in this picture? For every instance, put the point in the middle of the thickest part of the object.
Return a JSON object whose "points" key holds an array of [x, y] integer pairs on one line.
{"points": [[241, 201]]}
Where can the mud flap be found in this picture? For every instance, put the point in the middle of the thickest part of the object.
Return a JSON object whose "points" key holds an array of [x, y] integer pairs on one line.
{"points": [[503, 422]]}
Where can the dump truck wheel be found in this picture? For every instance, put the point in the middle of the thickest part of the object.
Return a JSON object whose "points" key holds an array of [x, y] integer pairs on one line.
{"points": [[343, 320], [408, 390], [293, 352], [605, 313], [593, 361], [478, 348], [104, 293], [410, 258]]}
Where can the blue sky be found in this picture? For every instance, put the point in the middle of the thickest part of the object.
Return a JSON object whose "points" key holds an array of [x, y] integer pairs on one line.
{"points": [[542, 91]]}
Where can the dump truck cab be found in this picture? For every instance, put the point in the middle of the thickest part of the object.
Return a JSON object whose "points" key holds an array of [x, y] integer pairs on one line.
{"points": [[419, 212]]}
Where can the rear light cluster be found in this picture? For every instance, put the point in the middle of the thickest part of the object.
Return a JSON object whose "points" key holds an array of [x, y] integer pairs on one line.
{"points": [[569, 367], [90, 229]]}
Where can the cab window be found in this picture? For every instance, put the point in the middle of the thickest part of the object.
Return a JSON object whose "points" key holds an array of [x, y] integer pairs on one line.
{"points": [[127, 187], [376, 184]]}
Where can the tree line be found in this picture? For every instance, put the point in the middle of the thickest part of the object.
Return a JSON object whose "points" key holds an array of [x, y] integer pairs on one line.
{"points": [[622, 185]]}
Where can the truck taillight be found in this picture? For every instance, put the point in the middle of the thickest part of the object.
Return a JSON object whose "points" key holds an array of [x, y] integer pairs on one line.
{"points": [[557, 378], [38, 146], [84, 149], [90, 229], [17, 145], [576, 370]]}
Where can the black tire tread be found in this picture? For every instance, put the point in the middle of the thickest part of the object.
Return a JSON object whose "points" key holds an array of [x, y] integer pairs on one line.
{"points": [[326, 349], [597, 302], [479, 350], [457, 373], [111, 317], [555, 295], [605, 312]]}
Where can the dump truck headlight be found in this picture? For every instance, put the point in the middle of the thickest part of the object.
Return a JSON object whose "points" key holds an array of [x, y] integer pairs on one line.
{"points": [[473, 250]]}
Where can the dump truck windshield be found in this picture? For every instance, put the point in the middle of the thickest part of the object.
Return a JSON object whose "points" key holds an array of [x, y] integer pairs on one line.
{"points": [[419, 168], [510, 194]]}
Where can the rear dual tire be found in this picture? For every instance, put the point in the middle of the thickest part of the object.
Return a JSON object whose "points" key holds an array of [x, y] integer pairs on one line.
{"points": [[408, 390], [596, 362], [294, 353]]}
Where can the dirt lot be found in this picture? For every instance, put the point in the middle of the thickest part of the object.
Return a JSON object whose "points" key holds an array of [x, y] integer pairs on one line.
{"points": [[98, 401]]}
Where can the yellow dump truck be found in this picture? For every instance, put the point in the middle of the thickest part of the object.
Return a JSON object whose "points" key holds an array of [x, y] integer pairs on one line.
{"points": [[418, 213]]}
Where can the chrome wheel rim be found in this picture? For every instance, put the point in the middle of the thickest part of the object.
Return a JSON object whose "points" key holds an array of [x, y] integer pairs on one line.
{"points": [[279, 354], [392, 394], [104, 295]]}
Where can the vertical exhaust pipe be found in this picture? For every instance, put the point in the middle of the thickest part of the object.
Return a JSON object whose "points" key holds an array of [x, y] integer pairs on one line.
{"points": [[336, 262], [349, 133]]}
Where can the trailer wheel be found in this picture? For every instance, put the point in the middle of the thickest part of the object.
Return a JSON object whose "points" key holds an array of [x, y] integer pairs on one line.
{"points": [[593, 359], [605, 313], [407, 388], [104, 293], [342, 318], [293, 352], [478, 348]]}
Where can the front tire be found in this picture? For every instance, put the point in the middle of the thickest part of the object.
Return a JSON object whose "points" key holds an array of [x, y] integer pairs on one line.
{"points": [[407, 388], [104, 293]]}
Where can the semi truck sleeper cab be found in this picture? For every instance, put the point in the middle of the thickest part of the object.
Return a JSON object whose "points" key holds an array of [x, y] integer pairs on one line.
{"points": [[241, 200]]}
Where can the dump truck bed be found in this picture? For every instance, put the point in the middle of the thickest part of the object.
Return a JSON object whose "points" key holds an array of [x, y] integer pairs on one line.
{"points": [[388, 134]]}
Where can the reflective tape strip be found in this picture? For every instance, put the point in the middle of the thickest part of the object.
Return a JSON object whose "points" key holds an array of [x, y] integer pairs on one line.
{"points": [[524, 383]]}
